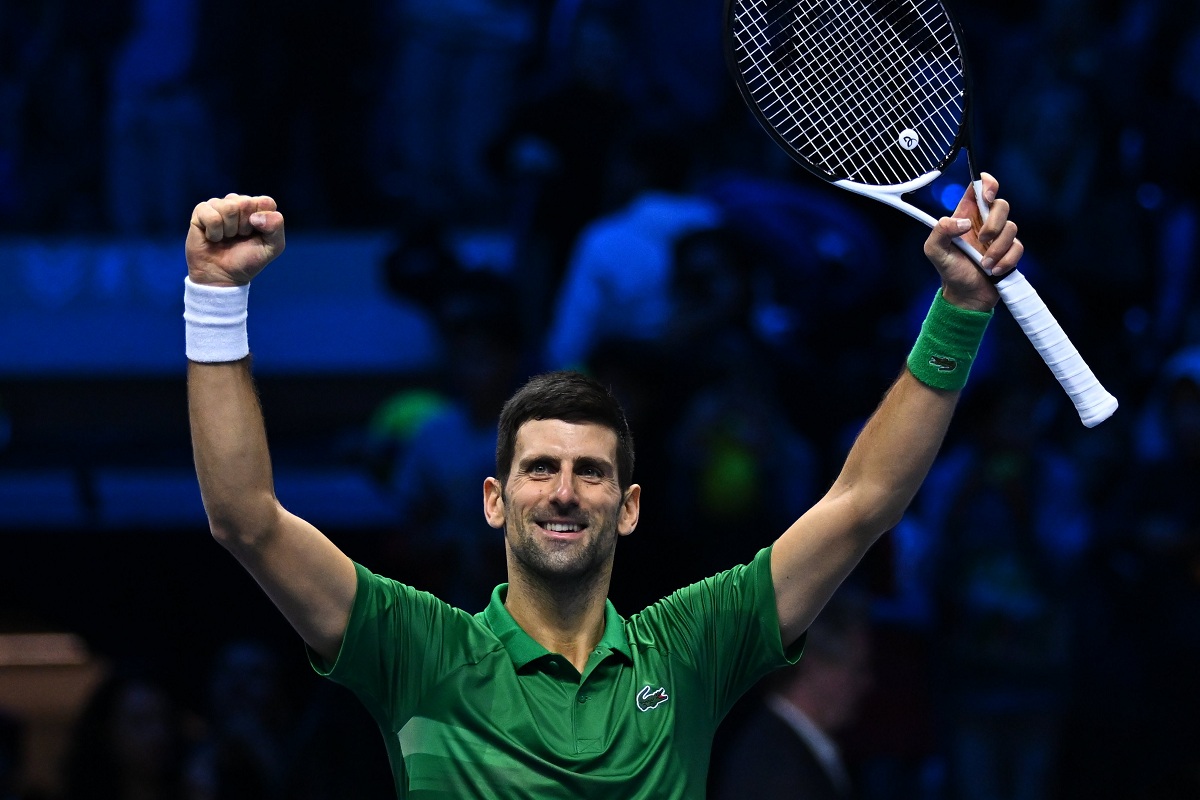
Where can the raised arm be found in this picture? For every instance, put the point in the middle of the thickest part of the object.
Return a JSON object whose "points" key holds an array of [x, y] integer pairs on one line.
{"points": [[897, 446], [229, 241]]}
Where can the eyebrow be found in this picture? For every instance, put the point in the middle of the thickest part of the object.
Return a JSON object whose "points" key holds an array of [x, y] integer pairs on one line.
{"points": [[602, 465]]}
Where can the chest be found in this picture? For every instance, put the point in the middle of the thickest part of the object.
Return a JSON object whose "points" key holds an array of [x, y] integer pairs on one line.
{"points": [[544, 729]]}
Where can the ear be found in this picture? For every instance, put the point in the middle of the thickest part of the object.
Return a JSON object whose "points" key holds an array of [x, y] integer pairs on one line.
{"points": [[493, 503], [631, 507]]}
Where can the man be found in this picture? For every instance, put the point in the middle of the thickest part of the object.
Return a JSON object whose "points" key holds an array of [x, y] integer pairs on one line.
{"points": [[548, 692], [785, 748]]}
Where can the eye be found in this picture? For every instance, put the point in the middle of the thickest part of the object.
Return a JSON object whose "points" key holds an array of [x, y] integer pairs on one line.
{"points": [[591, 472]]}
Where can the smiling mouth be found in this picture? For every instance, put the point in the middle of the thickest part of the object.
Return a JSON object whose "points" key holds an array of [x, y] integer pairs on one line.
{"points": [[562, 527]]}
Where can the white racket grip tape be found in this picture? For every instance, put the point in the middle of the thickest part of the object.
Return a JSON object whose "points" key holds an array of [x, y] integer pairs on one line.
{"points": [[215, 322], [1092, 401], [984, 208]]}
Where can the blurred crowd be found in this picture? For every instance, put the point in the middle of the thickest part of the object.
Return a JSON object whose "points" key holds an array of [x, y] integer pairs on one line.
{"points": [[1035, 619]]}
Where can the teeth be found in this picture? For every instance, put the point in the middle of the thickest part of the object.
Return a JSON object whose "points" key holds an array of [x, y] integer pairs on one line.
{"points": [[561, 527]]}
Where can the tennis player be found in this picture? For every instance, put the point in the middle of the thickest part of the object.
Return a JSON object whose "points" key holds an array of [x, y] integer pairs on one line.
{"points": [[548, 692]]}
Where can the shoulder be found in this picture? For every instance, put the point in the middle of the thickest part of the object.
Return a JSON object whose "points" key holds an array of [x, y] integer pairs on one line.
{"points": [[732, 595], [413, 613]]}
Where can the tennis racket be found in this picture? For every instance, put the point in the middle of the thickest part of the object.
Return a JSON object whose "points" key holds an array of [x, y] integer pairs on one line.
{"points": [[873, 96]]}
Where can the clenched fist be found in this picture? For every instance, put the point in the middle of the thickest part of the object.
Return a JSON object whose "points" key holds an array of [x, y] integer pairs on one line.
{"points": [[231, 239]]}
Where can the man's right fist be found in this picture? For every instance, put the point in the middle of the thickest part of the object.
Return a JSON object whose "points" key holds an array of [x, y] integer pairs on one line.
{"points": [[231, 239]]}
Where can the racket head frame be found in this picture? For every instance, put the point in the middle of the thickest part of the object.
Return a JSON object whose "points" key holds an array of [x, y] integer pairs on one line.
{"points": [[962, 139], [1092, 401]]}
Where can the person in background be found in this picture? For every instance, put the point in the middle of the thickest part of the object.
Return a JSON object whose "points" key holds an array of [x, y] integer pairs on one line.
{"points": [[1011, 528], [155, 119], [786, 747], [448, 452], [246, 752], [618, 281], [128, 744]]}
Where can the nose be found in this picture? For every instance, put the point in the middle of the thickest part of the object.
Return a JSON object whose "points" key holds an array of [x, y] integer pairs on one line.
{"points": [[564, 493]]}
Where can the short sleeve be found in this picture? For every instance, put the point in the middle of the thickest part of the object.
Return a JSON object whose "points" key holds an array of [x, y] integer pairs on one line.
{"points": [[398, 642], [725, 628]]}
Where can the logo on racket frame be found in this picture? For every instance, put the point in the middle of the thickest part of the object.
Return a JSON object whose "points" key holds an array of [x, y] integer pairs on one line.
{"points": [[908, 139]]}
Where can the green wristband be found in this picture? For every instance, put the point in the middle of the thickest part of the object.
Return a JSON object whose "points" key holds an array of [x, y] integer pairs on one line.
{"points": [[948, 344]]}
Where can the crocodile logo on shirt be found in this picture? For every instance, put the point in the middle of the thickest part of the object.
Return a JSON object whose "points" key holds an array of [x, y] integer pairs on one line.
{"points": [[651, 698], [943, 363]]}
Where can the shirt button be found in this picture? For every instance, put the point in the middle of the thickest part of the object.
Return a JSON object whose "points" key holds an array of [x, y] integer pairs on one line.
{"points": [[583, 698]]}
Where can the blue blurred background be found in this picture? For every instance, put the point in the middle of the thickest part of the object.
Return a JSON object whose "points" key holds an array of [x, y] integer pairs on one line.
{"points": [[477, 190]]}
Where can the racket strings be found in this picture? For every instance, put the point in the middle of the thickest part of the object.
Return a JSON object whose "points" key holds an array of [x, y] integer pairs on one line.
{"points": [[879, 105], [870, 59], [840, 81], [902, 164], [870, 55], [843, 107], [828, 81]]}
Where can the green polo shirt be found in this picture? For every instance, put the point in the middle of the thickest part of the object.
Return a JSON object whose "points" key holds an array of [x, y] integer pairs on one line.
{"points": [[472, 707]]}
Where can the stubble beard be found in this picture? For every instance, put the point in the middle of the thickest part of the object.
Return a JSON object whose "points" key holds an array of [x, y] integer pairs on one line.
{"points": [[573, 566]]}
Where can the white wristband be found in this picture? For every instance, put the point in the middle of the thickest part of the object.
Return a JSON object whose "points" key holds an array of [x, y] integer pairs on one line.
{"points": [[215, 322]]}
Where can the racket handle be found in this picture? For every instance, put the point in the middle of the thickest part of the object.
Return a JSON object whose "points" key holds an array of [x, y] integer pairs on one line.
{"points": [[1092, 401]]}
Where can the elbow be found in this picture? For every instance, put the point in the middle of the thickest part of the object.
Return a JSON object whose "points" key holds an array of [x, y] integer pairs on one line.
{"points": [[874, 513], [872, 526], [242, 526], [888, 521], [885, 511]]}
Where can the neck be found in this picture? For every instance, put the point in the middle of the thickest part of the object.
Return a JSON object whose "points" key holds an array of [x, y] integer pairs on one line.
{"points": [[564, 617]]}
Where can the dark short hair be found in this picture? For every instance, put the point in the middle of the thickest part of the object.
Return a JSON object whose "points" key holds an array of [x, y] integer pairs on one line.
{"points": [[571, 397]]}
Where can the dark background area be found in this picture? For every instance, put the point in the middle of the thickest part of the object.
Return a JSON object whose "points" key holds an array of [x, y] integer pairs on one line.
{"points": [[439, 165]]}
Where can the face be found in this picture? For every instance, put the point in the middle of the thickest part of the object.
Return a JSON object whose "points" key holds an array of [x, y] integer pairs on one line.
{"points": [[562, 508]]}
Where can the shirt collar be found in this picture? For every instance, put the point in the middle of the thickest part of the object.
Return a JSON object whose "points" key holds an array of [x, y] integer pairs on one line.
{"points": [[522, 648]]}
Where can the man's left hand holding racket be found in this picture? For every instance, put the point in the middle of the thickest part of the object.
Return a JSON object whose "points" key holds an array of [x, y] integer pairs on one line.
{"points": [[963, 283]]}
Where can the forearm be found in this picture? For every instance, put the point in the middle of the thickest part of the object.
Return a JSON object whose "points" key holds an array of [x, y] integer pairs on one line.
{"points": [[896, 448], [893, 454], [882, 472], [879, 479], [229, 445], [308, 578]]}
